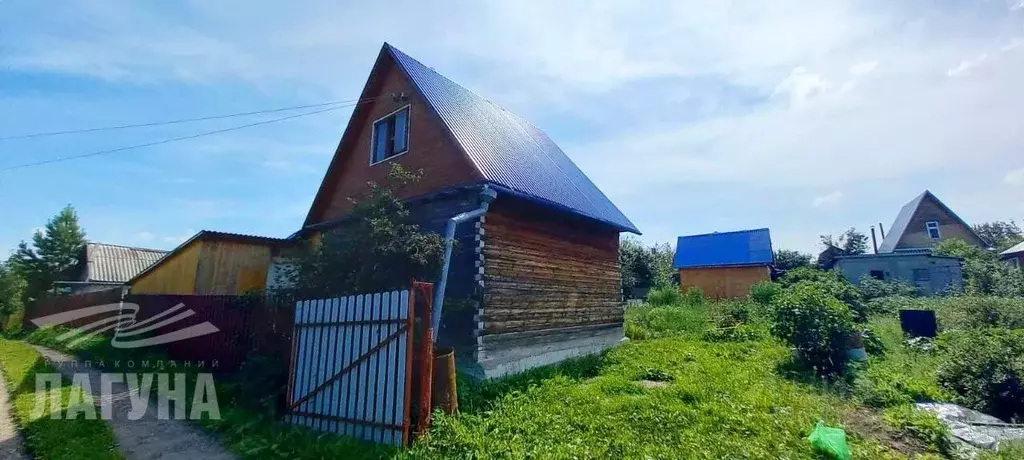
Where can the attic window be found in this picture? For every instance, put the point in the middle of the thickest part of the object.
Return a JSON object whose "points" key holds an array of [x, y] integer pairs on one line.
{"points": [[933, 229], [390, 136]]}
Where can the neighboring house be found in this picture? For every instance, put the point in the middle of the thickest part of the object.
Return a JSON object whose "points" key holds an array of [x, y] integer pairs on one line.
{"points": [[107, 266], [827, 258], [724, 265], [932, 275], [1014, 255], [210, 263], [536, 278], [923, 223], [906, 252]]}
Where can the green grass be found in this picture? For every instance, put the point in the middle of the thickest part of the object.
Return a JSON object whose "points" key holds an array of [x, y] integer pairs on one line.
{"points": [[903, 375], [723, 400], [45, 437]]}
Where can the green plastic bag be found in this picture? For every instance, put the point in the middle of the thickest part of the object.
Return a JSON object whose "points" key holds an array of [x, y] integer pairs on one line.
{"points": [[831, 441]]}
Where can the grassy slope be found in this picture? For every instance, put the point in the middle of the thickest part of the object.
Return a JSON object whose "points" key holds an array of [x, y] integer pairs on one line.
{"points": [[45, 437]]}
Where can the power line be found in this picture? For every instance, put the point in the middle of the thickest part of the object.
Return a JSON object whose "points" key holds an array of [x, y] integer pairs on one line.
{"points": [[169, 122], [181, 138]]}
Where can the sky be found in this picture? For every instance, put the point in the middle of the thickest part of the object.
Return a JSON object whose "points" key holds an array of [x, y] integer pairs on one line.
{"points": [[693, 117]]}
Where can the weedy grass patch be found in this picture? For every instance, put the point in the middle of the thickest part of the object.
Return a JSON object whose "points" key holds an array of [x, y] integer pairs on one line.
{"points": [[720, 400], [45, 437]]}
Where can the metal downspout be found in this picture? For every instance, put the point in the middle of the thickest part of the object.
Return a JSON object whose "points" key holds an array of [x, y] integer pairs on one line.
{"points": [[487, 195]]}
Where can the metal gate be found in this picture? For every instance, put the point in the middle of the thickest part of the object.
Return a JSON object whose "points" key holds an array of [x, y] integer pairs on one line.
{"points": [[360, 367]]}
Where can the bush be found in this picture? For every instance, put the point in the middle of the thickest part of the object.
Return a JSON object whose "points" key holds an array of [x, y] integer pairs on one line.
{"points": [[809, 274], [765, 292], [815, 323], [737, 333], [731, 313], [974, 312], [666, 295], [693, 297], [647, 322], [871, 288], [985, 369]]}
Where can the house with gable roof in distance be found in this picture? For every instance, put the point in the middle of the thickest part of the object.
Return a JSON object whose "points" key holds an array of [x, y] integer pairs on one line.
{"points": [[102, 267], [535, 278], [906, 249], [724, 265]]}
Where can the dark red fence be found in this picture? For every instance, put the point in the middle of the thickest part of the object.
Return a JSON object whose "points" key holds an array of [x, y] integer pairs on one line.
{"points": [[246, 325]]}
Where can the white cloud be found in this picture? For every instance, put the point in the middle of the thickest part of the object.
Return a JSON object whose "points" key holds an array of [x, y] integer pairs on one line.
{"points": [[828, 200], [1015, 177], [145, 236], [863, 68], [178, 239]]}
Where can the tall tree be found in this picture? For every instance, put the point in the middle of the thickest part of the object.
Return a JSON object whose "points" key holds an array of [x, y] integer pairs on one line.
{"points": [[12, 292], [999, 234], [851, 242], [54, 251], [786, 259]]}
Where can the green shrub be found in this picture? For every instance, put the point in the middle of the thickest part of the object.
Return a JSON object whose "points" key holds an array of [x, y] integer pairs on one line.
{"points": [[921, 425], [890, 306], [732, 312], [693, 297], [815, 323], [1013, 450], [647, 322], [985, 370], [872, 288], [765, 292], [665, 295], [808, 274], [973, 312]]}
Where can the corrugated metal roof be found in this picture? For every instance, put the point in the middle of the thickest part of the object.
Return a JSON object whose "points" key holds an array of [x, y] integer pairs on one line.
{"points": [[1018, 248], [117, 264], [509, 151], [899, 226], [744, 247]]}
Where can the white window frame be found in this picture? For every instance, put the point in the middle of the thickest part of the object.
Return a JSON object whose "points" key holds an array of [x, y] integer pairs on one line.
{"points": [[408, 136], [933, 224]]}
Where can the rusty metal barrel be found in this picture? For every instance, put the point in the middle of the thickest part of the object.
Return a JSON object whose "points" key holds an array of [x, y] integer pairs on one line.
{"points": [[445, 390]]}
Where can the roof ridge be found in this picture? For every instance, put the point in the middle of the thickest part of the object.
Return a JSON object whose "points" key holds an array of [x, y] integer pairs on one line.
{"points": [[751, 230], [137, 248]]}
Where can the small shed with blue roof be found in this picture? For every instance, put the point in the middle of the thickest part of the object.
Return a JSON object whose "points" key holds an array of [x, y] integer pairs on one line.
{"points": [[724, 265], [535, 279]]}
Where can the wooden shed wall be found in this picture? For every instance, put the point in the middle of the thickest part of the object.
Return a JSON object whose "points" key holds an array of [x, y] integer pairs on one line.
{"points": [[723, 282], [174, 276], [232, 268], [542, 272]]}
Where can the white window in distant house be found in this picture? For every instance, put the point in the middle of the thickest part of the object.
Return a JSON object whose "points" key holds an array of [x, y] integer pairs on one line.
{"points": [[390, 136], [933, 229]]}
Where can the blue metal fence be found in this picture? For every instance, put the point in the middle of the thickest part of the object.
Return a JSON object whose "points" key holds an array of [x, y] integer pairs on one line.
{"points": [[353, 364]]}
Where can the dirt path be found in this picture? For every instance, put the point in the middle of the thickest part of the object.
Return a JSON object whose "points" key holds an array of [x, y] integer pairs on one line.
{"points": [[11, 446], [149, 437]]}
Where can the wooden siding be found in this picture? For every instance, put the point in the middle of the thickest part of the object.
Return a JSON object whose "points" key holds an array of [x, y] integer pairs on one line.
{"points": [[431, 148], [176, 275], [544, 270], [723, 282], [916, 235], [232, 268]]}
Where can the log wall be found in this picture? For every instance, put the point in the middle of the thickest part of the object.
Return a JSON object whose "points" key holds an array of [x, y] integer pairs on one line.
{"points": [[546, 271]]}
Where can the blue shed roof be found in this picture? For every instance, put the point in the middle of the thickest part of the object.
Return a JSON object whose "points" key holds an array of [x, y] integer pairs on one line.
{"points": [[744, 247], [509, 151]]}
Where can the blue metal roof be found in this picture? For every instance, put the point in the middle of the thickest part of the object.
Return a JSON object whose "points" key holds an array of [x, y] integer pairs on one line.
{"points": [[509, 151], [745, 247]]}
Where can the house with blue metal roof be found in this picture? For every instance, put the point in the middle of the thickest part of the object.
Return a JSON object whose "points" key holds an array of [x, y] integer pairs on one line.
{"points": [[535, 270], [724, 265]]}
